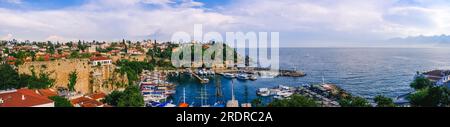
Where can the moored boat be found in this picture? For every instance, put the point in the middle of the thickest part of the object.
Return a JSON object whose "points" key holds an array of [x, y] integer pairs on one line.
{"points": [[263, 92], [242, 76], [229, 75]]}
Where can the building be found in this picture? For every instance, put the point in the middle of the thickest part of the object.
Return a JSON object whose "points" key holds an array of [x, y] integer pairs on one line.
{"points": [[438, 77], [11, 60], [92, 49], [86, 101], [100, 60], [98, 96], [24, 98]]}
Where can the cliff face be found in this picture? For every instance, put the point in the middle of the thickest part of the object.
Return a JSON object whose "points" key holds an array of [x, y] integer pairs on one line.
{"points": [[89, 79], [105, 79], [60, 70]]}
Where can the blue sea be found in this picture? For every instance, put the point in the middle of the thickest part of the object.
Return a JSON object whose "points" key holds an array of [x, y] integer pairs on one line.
{"points": [[365, 72]]}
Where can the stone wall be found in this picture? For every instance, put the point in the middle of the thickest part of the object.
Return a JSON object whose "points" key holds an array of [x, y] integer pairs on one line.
{"points": [[60, 70], [90, 79]]}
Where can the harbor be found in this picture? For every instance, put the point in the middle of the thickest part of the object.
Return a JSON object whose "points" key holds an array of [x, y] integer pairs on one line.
{"points": [[325, 94], [206, 87]]}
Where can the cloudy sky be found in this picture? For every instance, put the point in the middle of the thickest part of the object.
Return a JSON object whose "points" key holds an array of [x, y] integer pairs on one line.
{"points": [[326, 22]]}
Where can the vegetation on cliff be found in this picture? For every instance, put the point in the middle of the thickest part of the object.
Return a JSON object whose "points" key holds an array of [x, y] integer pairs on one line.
{"points": [[295, 101], [132, 69], [72, 80], [131, 97], [12, 80]]}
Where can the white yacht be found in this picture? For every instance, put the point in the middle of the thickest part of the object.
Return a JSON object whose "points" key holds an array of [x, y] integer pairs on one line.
{"points": [[268, 74], [263, 92], [252, 77], [243, 76], [229, 75]]}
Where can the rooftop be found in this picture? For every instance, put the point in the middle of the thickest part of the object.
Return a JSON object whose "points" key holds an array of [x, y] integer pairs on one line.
{"points": [[86, 102], [99, 58], [23, 98]]}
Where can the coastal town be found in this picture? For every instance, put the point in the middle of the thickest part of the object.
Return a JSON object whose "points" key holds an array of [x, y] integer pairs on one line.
{"points": [[136, 74], [91, 74]]}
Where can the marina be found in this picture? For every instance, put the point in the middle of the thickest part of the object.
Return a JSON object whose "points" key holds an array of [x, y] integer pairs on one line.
{"points": [[354, 79]]}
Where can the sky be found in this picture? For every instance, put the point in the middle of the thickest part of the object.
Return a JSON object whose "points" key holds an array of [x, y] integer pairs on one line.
{"points": [[299, 22]]}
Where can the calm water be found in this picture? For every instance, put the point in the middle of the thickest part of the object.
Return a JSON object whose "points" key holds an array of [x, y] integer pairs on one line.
{"points": [[364, 72]]}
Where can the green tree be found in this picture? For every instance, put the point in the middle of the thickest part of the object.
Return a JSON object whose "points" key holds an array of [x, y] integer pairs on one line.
{"points": [[421, 83], [354, 102], [51, 47], [6, 51], [74, 54], [61, 101], [9, 78], [132, 69], [294, 101], [42, 81], [383, 101], [72, 80], [428, 97], [131, 97], [81, 46], [257, 102], [113, 98]]}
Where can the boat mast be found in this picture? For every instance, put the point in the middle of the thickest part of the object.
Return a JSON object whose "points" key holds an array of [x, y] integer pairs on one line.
{"points": [[233, 102], [184, 95], [218, 87], [232, 90]]}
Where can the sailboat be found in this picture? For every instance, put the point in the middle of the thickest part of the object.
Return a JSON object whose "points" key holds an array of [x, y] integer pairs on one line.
{"points": [[219, 95], [233, 102], [184, 104], [203, 97]]}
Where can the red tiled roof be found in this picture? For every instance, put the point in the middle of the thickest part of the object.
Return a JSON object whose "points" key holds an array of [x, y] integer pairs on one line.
{"points": [[47, 92], [23, 98], [99, 58], [86, 102], [11, 58], [115, 51], [97, 96], [437, 73]]}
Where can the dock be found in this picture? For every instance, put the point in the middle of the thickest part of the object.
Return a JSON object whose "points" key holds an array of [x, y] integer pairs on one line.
{"points": [[203, 81]]}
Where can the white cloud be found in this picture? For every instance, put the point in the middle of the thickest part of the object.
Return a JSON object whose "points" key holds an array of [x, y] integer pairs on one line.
{"points": [[297, 20], [7, 37], [106, 21], [56, 38]]}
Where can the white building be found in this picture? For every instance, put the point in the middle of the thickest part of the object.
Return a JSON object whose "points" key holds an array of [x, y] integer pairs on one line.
{"points": [[100, 61]]}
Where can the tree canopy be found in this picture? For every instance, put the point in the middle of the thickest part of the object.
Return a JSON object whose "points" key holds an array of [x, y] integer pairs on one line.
{"points": [[383, 101], [132, 69], [61, 101], [131, 97], [421, 83], [354, 102], [72, 80], [295, 101], [427, 95], [10, 78]]}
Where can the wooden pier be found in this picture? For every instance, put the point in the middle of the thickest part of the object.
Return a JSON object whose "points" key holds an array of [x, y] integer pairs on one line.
{"points": [[203, 81]]}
